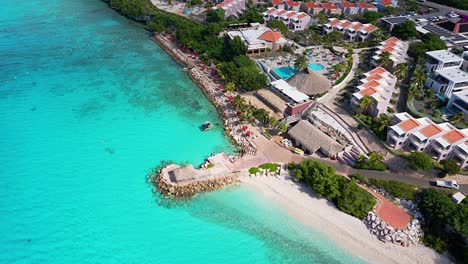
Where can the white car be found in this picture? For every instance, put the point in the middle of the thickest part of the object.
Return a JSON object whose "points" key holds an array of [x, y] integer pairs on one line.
{"points": [[452, 15], [448, 184]]}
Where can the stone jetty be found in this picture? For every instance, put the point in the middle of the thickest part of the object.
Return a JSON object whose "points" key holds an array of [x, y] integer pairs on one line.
{"points": [[386, 233]]}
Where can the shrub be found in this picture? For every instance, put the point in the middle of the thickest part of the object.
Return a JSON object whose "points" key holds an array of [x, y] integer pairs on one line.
{"points": [[211, 165], [395, 188], [360, 178], [272, 167], [420, 161], [433, 241], [254, 170], [354, 200], [364, 165], [450, 167]]}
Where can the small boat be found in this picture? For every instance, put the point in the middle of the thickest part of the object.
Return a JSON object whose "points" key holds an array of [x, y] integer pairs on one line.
{"points": [[207, 126], [298, 151]]}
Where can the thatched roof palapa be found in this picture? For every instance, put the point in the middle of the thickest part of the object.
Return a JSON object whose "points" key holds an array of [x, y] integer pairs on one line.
{"points": [[310, 82], [271, 99], [313, 139]]}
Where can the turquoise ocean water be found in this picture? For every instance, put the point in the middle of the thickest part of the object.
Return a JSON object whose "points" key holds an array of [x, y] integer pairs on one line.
{"points": [[88, 106]]}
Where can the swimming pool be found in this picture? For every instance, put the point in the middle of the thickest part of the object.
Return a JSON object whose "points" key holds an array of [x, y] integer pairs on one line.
{"points": [[287, 72]]}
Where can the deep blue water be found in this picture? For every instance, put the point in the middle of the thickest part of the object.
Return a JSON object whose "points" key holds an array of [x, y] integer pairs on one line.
{"points": [[88, 106]]}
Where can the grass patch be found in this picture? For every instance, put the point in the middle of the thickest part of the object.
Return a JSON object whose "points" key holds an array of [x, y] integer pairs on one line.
{"points": [[364, 165], [395, 188], [271, 167]]}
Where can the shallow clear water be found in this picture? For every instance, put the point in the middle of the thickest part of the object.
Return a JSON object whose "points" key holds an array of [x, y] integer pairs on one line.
{"points": [[287, 72], [88, 106]]}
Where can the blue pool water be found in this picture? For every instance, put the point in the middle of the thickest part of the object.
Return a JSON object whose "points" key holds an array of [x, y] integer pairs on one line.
{"points": [[287, 72], [88, 106]]}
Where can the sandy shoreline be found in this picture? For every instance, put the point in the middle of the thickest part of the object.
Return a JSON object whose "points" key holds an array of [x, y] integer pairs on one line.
{"points": [[345, 230]]}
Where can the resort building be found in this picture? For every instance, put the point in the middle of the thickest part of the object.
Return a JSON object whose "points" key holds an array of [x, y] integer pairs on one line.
{"points": [[459, 103], [311, 8], [464, 66], [395, 47], [310, 82], [295, 21], [455, 25], [232, 8], [442, 59], [292, 6], [364, 7], [390, 22], [378, 84], [311, 139], [447, 81], [440, 141], [259, 40], [297, 101], [278, 4], [331, 9], [352, 31], [382, 4], [348, 8]]}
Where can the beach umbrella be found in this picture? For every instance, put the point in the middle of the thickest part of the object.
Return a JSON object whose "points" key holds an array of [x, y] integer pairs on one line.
{"points": [[220, 86], [230, 98], [244, 128], [248, 133]]}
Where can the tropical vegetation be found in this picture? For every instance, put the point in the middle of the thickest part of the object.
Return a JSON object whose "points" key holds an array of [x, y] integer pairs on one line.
{"points": [[420, 161], [374, 161]]}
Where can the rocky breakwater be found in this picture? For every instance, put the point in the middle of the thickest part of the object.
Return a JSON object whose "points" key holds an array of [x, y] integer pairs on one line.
{"points": [[386, 233], [185, 182]]}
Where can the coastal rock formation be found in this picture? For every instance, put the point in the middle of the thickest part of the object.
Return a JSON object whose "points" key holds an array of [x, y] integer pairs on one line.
{"points": [[384, 232]]}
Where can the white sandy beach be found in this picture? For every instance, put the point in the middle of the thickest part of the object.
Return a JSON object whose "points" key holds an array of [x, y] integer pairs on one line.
{"points": [[345, 230]]}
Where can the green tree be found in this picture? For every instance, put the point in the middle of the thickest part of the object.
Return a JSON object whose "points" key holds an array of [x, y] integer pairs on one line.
{"points": [[457, 119], [380, 123], [375, 157], [321, 17], [405, 30], [378, 35], [414, 91], [417, 49], [252, 15], [419, 77], [433, 42], [215, 15], [333, 37], [230, 86], [385, 60], [450, 167], [355, 201], [372, 17], [401, 71], [238, 101], [282, 127], [366, 102], [420, 161], [276, 24], [391, 10], [238, 47], [301, 62]]}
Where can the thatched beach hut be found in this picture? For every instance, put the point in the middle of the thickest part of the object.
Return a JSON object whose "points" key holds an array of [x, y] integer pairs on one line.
{"points": [[310, 82]]}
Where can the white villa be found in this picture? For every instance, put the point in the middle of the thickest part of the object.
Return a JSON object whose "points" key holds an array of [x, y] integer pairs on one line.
{"points": [[459, 102], [232, 8], [295, 21], [260, 39], [440, 141], [395, 47], [447, 81], [379, 84], [352, 31], [442, 59]]}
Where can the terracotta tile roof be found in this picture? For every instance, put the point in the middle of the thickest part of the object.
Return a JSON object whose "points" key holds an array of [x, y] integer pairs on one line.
{"points": [[370, 28], [372, 83], [378, 70], [392, 39], [409, 124], [312, 5], [329, 6], [333, 22], [453, 136], [365, 5], [386, 2], [292, 13], [357, 26], [270, 36], [272, 10], [301, 16], [388, 49], [431, 130], [374, 77], [280, 12], [277, 2], [347, 4], [292, 3], [345, 23], [368, 91]]}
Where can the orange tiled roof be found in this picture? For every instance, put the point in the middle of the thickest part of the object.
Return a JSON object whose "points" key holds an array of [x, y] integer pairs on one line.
{"points": [[292, 3], [374, 77], [372, 83], [453, 136], [368, 91], [277, 2], [290, 14], [347, 4], [357, 26], [270, 36], [301, 16], [388, 49], [386, 2], [378, 70], [312, 5], [370, 28], [280, 12], [333, 22], [392, 39], [329, 6], [272, 10], [345, 24], [431, 130], [365, 5], [409, 124]]}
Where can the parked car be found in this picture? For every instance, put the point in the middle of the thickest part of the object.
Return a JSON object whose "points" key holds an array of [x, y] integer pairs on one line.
{"points": [[448, 184], [452, 15]]}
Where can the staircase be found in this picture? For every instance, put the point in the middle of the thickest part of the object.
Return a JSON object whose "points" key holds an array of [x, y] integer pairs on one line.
{"points": [[349, 155], [291, 119]]}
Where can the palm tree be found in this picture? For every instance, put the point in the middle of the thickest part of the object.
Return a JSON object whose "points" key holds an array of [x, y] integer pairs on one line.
{"points": [[401, 71], [385, 60], [415, 91], [338, 68], [374, 157], [301, 62], [378, 35], [366, 102], [419, 77], [238, 101], [381, 122], [230, 86], [361, 158], [457, 118]]}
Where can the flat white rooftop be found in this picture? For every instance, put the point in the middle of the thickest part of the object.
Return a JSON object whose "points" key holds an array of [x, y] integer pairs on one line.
{"points": [[444, 55], [289, 91], [453, 74]]}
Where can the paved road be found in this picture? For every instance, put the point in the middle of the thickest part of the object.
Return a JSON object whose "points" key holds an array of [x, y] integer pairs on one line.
{"points": [[444, 8]]}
